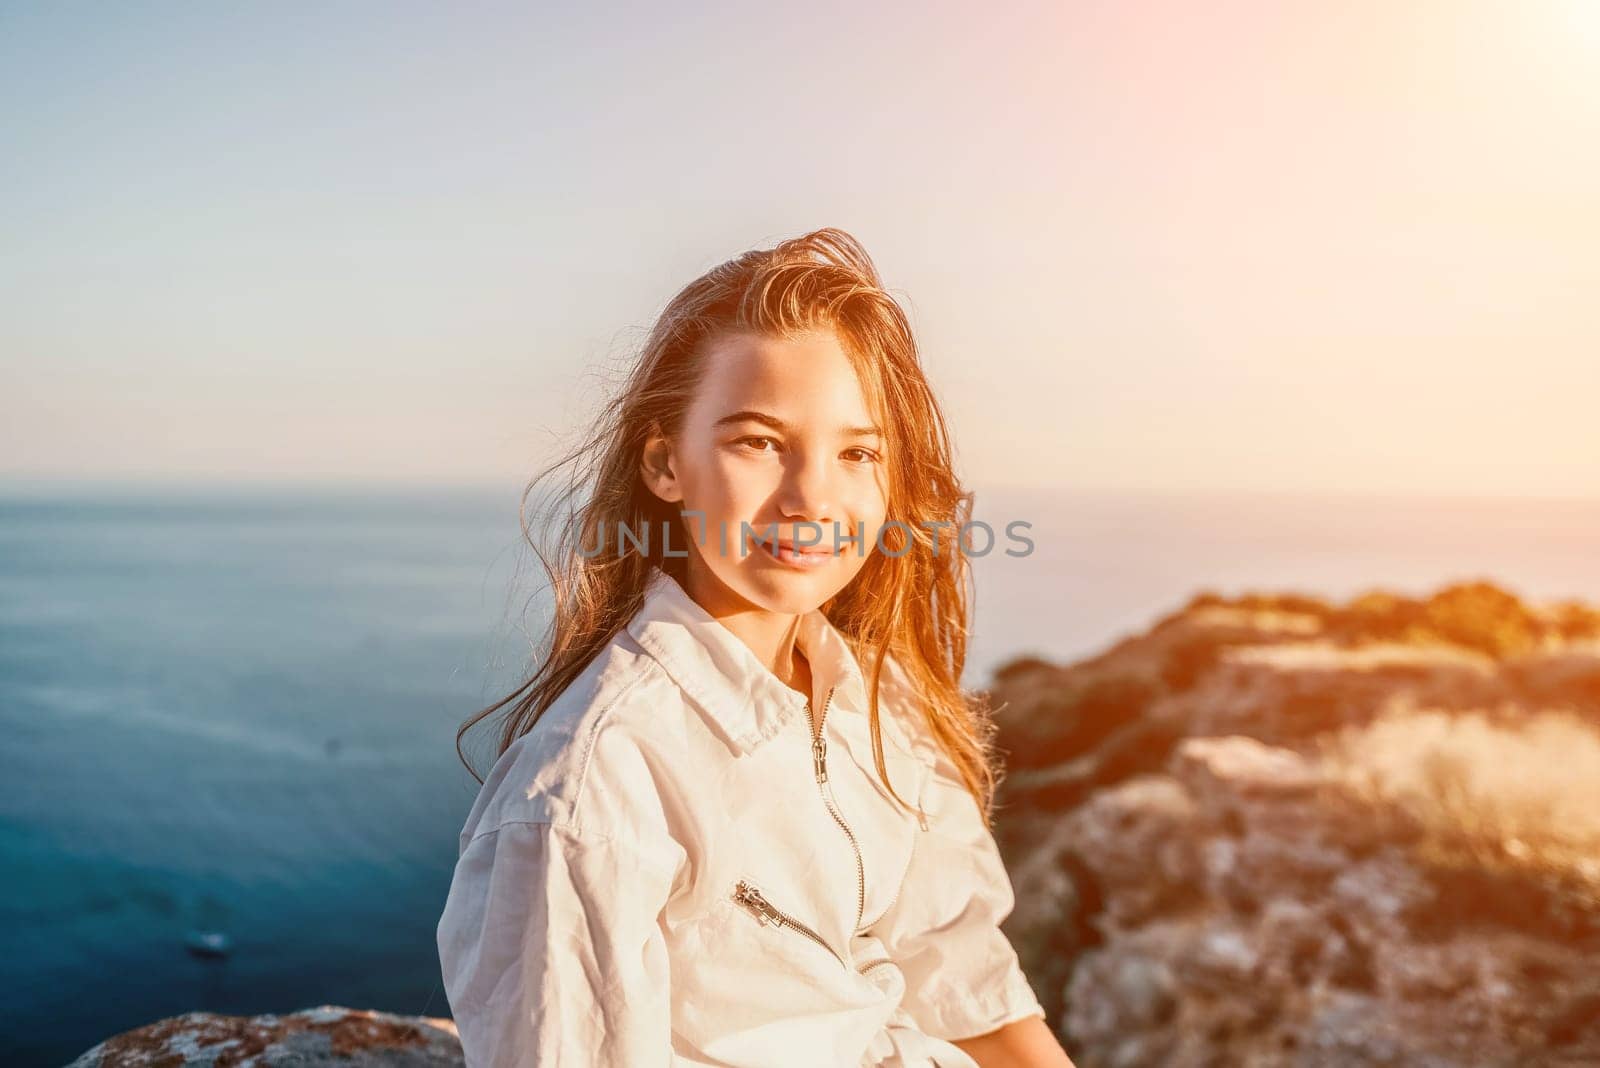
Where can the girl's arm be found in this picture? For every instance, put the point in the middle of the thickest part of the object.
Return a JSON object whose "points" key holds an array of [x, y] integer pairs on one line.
{"points": [[552, 952], [964, 982], [1025, 1043]]}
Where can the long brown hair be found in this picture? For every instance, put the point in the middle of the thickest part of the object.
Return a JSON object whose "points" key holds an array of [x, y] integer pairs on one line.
{"points": [[911, 602]]}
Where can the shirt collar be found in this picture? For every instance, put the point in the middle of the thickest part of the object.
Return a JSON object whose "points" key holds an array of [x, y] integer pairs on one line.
{"points": [[725, 678]]}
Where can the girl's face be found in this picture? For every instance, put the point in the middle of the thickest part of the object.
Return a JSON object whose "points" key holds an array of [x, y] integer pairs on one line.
{"points": [[778, 435]]}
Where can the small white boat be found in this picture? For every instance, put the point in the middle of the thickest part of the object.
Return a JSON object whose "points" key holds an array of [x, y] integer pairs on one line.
{"points": [[208, 944]]}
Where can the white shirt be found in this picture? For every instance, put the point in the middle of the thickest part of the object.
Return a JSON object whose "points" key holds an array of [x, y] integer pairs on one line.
{"points": [[659, 873]]}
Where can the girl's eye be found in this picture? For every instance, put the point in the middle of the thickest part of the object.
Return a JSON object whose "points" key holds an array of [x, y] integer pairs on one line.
{"points": [[746, 441], [867, 455]]}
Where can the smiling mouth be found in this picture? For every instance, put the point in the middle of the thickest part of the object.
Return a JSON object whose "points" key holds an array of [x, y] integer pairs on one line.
{"points": [[811, 556]]}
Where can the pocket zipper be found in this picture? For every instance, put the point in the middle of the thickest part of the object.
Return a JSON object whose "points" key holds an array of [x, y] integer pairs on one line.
{"points": [[756, 902]]}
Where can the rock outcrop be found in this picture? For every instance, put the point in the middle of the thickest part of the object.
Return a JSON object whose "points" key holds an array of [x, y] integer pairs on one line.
{"points": [[1274, 831], [326, 1035]]}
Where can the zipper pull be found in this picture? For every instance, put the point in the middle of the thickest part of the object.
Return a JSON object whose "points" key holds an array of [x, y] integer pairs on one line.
{"points": [[819, 744], [752, 899], [922, 818]]}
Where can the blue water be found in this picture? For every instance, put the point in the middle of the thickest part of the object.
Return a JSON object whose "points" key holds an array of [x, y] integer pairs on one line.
{"points": [[236, 709], [237, 712]]}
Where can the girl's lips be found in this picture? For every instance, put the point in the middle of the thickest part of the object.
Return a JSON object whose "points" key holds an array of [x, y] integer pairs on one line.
{"points": [[808, 559]]}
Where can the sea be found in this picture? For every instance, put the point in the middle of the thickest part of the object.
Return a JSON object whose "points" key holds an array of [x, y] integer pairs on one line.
{"points": [[232, 710]]}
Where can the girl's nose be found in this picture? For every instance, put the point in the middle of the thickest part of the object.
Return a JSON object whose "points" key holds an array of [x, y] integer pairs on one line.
{"points": [[806, 493]]}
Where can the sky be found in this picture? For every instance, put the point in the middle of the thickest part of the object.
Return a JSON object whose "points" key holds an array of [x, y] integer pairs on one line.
{"points": [[1348, 247]]}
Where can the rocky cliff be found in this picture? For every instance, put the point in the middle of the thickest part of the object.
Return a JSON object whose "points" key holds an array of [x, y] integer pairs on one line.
{"points": [[326, 1035], [1278, 831]]}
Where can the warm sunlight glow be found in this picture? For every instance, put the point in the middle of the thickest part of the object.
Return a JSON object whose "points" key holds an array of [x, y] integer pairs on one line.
{"points": [[1581, 18]]}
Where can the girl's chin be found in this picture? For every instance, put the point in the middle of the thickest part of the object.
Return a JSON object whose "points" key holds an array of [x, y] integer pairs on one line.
{"points": [[782, 588]]}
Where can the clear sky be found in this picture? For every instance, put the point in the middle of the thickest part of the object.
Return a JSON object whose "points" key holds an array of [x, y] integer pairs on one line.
{"points": [[1268, 245]]}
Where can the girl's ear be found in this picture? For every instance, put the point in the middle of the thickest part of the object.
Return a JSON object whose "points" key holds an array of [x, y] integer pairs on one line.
{"points": [[655, 467]]}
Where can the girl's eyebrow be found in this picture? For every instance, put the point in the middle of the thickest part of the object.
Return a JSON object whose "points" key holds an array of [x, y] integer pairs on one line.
{"points": [[751, 415]]}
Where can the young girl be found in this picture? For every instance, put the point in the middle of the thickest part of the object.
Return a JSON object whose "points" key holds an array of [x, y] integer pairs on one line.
{"points": [[740, 814]]}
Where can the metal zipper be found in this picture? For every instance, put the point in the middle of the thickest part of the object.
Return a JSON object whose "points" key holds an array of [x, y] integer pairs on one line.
{"points": [[752, 899], [819, 755]]}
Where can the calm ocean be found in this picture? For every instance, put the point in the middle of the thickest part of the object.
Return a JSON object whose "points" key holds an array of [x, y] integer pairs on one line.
{"points": [[235, 710]]}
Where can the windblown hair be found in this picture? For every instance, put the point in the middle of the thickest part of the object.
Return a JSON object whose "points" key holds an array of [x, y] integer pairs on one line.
{"points": [[910, 603]]}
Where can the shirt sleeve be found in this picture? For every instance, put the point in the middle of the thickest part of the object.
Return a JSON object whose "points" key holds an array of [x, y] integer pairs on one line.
{"points": [[963, 977], [552, 952]]}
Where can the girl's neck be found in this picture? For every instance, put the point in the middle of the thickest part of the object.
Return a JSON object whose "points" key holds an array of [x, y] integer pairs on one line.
{"points": [[770, 635]]}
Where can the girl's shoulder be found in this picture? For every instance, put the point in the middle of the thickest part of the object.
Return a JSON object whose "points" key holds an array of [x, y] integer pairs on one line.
{"points": [[591, 761]]}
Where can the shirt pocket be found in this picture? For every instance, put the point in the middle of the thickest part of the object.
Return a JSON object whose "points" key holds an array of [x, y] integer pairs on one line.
{"points": [[909, 769], [889, 830], [764, 928], [757, 971], [753, 900]]}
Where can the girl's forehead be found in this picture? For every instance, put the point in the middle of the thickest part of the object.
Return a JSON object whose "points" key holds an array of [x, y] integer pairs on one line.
{"points": [[748, 351], [808, 376]]}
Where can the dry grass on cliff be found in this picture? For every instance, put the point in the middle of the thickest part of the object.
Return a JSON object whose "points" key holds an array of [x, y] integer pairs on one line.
{"points": [[1525, 797]]}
